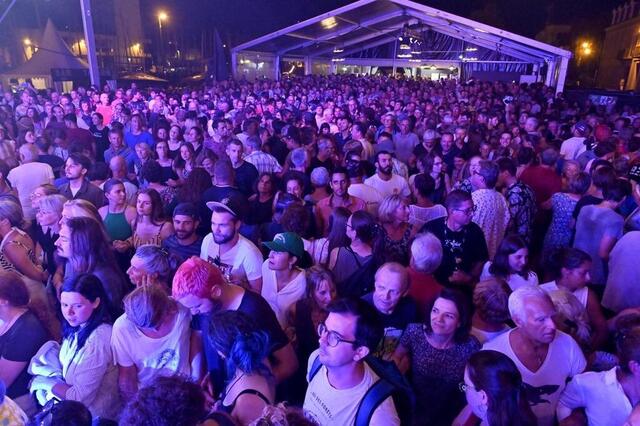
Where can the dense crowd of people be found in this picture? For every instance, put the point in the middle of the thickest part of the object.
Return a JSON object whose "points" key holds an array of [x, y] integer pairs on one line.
{"points": [[330, 250]]}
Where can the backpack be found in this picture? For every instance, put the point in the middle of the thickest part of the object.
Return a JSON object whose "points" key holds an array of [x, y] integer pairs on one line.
{"points": [[391, 383], [361, 281]]}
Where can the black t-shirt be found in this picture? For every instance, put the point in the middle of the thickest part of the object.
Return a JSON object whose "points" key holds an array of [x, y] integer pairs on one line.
{"points": [[246, 176], [394, 324], [277, 148], [460, 250], [587, 200], [20, 343], [327, 164], [259, 310], [102, 140]]}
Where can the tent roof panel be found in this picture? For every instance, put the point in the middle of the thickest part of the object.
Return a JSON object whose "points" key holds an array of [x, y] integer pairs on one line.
{"points": [[366, 22]]}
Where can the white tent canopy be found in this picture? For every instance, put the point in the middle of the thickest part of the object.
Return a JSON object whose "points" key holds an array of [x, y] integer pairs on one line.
{"points": [[52, 54], [366, 24]]}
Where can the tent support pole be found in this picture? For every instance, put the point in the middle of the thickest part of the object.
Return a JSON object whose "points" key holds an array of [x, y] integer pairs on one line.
{"points": [[87, 21]]}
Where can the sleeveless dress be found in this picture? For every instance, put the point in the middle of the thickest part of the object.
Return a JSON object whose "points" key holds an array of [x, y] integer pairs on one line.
{"points": [[156, 240], [117, 226]]}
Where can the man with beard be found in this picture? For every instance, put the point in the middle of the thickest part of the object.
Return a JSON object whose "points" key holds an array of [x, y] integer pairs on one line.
{"points": [[384, 180], [201, 288], [184, 243], [236, 256]]}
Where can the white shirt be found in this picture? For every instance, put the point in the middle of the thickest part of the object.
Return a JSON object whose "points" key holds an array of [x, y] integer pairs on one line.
{"points": [[329, 406], [572, 147], [600, 394], [515, 281], [395, 185], [27, 177], [153, 357], [243, 261], [582, 294], [544, 387], [370, 195], [281, 301]]}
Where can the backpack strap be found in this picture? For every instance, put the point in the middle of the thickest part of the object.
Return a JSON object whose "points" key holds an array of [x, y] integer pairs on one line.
{"points": [[375, 396], [315, 367]]}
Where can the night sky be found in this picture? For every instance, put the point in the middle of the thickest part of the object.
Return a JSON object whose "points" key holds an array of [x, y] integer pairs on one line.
{"points": [[242, 20]]}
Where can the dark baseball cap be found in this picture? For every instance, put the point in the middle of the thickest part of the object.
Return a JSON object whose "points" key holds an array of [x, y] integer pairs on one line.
{"points": [[232, 204], [186, 209], [582, 127]]}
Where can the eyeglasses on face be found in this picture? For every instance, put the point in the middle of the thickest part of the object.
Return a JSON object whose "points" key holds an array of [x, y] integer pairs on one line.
{"points": [[467, 211], [333, 339]]}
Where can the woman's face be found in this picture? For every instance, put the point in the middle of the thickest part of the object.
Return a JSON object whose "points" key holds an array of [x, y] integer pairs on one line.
{"points": [[35, 196], [279, 260], [445, 318], [474, 165], [76, 308], [136, 271], [46, 217], [144, 205], [185, 153], [193, 135], [350, 231], [324, 293], [518, 260], [571, 170], [162, 149], [477, 399], [402, 213], [437, 165], [117, 195], [161, 134], [264, 185], [208, 165], [577, 278], [174, 133], [30, 137], [294, 188]]}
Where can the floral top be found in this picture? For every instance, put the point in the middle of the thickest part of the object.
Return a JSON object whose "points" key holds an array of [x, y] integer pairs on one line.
{"points": [[522, 207], [560, 231]]}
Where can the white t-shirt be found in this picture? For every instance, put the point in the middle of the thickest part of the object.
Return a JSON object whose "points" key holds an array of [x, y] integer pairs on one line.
{"points": [[164, 356], [329, 406], [515, 281], [582, 294], [544, 387], [600, 394], [281, 301], [27, 177], [486, 336], [368, 194], [395, 185], [572, 147], [244, 259]]}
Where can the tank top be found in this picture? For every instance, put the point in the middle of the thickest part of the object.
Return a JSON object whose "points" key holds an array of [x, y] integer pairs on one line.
{"points": [[156, 240], [117, 226]]}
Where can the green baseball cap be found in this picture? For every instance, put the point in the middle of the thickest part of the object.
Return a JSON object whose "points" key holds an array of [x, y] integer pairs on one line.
{"points": [[288, 242]]}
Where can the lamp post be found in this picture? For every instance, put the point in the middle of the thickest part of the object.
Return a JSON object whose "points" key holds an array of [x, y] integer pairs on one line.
{"points": [[162, 16]]}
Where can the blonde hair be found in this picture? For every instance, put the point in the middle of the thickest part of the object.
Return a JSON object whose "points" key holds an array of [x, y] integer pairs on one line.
{"points": [[82, 208], [571, 316], [147, 305], [388, 207], [53, 203]]}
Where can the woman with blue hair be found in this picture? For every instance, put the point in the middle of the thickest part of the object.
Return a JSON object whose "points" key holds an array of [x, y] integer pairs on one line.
{"points": [[250, 385]]}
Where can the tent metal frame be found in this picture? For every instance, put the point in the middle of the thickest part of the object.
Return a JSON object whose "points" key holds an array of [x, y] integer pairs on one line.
{"points": [[380, 23]]}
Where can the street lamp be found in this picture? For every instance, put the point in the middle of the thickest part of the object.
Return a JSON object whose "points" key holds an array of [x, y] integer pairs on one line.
{"points": [[162, 16]]}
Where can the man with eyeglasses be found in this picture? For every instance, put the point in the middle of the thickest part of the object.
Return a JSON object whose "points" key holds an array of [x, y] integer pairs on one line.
{"points": [[347, 336], [464, 248]]}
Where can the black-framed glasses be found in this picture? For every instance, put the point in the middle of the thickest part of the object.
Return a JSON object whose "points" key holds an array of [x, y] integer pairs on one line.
{"points": [[468, 211], [333, 338]]}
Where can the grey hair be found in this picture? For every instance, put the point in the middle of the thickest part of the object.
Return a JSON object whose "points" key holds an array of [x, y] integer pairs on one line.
{"points": [[426, 253], [12, 211], [518, 299], [320, 176], [299, 157], [157, 261], [54, 203]]}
